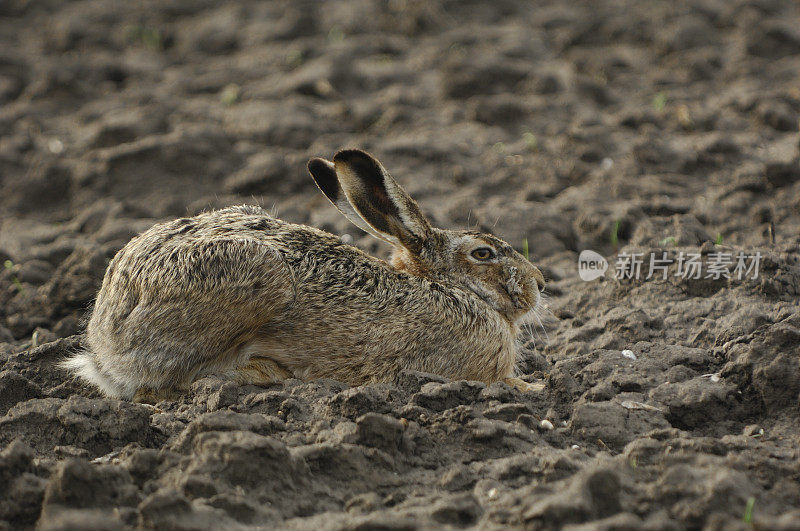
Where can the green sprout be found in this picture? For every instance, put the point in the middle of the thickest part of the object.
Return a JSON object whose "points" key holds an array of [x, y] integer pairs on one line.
{"points": [[718, 240], [525, 248], [9, 265], [660, 102], [294, 58], [230, 94], [335, 34], [669, 240], [499, 147], [147, 35], [615, 233], [531, 142], [748, 510], [384, 58]]}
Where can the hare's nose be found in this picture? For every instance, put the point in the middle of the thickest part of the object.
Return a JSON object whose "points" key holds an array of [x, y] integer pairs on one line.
{"points": [[537, 275]]}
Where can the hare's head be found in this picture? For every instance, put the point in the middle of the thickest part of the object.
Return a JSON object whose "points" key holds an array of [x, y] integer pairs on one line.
{"points": [[368, 196]]}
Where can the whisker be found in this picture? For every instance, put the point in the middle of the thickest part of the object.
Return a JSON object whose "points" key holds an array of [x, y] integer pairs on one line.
{"points": [[541, 324], [526, 333], [533, 333], [551, 316]]}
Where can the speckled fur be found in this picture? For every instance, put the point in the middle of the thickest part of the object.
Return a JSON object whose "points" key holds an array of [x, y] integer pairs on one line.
{"points": [[239, 293]]}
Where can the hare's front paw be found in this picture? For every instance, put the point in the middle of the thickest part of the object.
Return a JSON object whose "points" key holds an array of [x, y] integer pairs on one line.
{"points": [[523, 386]]}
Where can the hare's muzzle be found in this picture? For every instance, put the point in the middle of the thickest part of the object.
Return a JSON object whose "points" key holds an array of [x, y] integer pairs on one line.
{"points": [[522, 284]]}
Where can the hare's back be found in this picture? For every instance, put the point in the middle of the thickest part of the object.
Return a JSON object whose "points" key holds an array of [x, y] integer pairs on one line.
{"points": [[225, 249], [243, 221]]}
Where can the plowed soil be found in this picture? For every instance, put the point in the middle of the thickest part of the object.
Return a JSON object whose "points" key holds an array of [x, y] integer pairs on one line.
{"points": [[617, 126]]}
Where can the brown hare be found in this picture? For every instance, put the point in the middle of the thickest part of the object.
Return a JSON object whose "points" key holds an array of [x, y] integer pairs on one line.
{"points": [[241, 294]]}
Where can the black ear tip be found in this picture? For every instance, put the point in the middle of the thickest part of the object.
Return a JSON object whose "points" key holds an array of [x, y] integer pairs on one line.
{"points": [[324, 175], [349, 156], [362, 163], [318, 166]]}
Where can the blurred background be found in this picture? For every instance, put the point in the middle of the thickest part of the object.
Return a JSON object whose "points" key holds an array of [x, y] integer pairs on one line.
{"points": [[557, 125]]}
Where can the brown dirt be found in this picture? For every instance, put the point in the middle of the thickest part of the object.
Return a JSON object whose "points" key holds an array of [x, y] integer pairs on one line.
{"points": [[606, 125]]}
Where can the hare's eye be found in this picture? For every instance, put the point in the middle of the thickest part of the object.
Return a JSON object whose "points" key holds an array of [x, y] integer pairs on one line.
{"points": [[482, 253]]}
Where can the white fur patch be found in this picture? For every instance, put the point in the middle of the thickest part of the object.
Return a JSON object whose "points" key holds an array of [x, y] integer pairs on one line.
{"points": [[83, 365], [463, 241]]}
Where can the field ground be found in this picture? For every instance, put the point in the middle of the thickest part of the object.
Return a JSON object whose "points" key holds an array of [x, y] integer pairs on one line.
{"points": [[616, 126]]}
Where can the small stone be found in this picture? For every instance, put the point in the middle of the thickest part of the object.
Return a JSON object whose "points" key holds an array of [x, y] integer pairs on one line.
{"points": [[629, 354], [753, 430], [55, 146], [546, 425]]}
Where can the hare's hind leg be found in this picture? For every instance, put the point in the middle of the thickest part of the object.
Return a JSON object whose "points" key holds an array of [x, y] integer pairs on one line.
{"points": [[261, 370]]}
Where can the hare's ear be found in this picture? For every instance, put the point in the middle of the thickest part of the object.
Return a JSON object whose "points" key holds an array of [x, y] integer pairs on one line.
{"points": [[324, 175], [379, 201]]}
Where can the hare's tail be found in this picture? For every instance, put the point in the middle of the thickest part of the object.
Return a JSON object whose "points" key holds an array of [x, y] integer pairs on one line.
{"points": [[84, 365]]}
